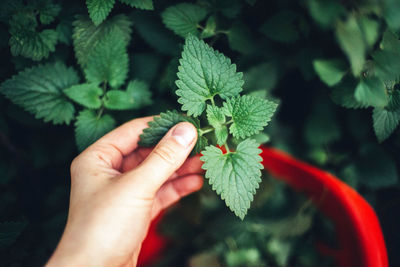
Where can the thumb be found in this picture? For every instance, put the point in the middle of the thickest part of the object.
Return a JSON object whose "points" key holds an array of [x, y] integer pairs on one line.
{"points": [[169, 154]]}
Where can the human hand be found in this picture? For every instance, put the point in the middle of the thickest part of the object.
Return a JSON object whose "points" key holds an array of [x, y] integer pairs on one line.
{"points": [[117, 188]]}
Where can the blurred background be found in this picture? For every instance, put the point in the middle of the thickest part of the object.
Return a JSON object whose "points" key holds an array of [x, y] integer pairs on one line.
{"points": [[333, 66]]}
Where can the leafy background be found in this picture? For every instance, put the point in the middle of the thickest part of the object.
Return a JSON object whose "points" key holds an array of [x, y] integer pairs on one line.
{"points": [[333, 66]]}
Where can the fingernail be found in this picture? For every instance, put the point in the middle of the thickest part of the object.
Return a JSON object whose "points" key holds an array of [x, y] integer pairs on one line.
{"points": [[184, 134]]}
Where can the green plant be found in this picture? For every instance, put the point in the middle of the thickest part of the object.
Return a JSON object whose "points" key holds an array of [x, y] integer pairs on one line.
{"points": [[204, 75], [84, 67]]}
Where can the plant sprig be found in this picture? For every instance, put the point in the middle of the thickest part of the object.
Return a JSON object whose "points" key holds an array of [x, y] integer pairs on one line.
{"points": [[205, 74]]}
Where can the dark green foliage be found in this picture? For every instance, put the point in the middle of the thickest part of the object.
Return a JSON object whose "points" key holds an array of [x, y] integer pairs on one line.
{"points": [[74, 70]]}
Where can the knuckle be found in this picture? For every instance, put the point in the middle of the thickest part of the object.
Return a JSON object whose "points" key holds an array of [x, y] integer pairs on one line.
{"points": [[167, 153]]}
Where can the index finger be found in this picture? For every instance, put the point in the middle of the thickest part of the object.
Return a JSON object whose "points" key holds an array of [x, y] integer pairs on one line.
{"points": [[125, 138]]}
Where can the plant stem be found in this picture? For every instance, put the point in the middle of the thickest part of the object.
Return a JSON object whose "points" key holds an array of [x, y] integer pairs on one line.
{"points": [[227, 147], [205, 130], [101, 110], [212, 101]]}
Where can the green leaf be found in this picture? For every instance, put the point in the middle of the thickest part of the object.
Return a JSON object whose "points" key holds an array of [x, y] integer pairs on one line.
{"points": [[390, 42], [89, 127], [28, 42], [140, 93], [371, 92], [118, 100], [234, 176], [281, 27], [109, 61], [39, 91], [204, 73], [330, 71], [161, 125], [240, 38], [343, 95], [183, 18], [99, 9], [216, 118], [9, 232], [210, 28], [351, 40], [376, 168], [140, 4], [86, 94], [387, 65], [86, 35], [370, 28], [249, 115], [385, 122], [47, 10], [325, 12], [391, 13]]}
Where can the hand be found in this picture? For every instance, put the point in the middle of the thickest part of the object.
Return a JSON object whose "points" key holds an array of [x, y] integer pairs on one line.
{"points": [[117, 188]]}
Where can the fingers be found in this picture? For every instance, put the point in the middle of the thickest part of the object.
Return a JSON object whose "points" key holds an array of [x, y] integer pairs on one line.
{"points": [[109, 150], [192, 165], [174, 190], [164, 160]]}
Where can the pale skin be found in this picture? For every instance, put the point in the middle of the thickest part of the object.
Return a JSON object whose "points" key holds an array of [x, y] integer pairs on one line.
{"points": [[117, 188]]}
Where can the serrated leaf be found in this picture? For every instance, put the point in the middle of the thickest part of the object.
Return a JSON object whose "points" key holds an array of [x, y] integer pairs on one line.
{"points": [[39, 91], [331, 71], [140, 93], [371, 92], [234, 176], [9, 232], [27, 41], [86, 94], [118, 100], [215, 116], [86, 35], [385, 122], [161, 125], [99, 9], [47, 10], [89, 127], [351, 40], [141, 4], [109, 61], [249, 115], [204, 73], [183, 18]]}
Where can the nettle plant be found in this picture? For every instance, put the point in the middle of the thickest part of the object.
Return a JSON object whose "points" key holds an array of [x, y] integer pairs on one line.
{"points": [[209, 90], [47, 90], [209, 85]]}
